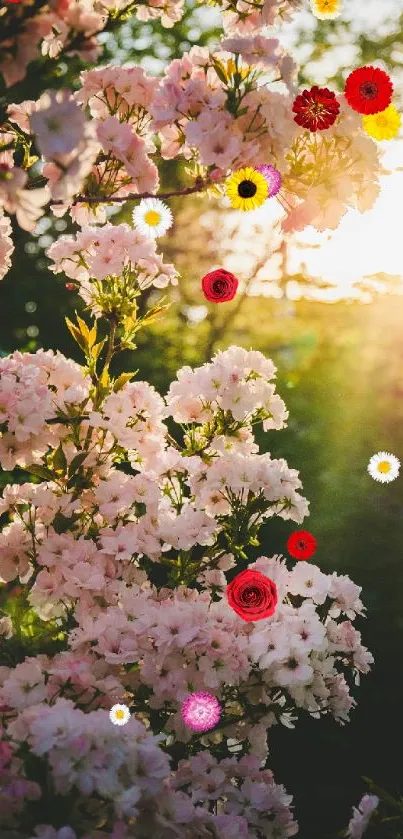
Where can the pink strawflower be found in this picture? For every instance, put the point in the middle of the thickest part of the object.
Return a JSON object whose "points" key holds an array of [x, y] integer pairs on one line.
{"points": [[201, 711], [272, 176]]}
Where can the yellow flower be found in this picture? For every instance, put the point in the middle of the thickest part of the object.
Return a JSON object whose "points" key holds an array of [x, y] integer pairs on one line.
{"points": [[326, 9], [246, 189], [232, 69], [383, 126]]}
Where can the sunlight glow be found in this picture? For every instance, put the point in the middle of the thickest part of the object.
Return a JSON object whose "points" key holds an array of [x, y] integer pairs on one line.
{"points": [[360, 259]]}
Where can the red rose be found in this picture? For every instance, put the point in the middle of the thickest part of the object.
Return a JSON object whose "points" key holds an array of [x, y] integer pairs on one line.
{"points": [[219, 286], [301, 544], [252, 595]]}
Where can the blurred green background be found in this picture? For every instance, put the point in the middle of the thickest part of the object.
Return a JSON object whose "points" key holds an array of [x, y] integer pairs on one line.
{"points": [[339, 372]]}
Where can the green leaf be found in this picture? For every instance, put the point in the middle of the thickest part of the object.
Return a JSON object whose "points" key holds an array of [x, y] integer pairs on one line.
{"points": [[76, 335], [83, 327], [122, 380], [220, 70], [105, 379], [40, 472], [61, 523], [59, 460], [77, 461], [92, 336], [96, 349]]}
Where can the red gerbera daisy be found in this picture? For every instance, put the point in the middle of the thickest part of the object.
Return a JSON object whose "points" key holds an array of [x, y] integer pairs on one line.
{"points": [[316, 108], [368, 90], [301, 544]]}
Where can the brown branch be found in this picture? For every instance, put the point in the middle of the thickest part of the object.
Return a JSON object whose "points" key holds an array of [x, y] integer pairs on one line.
{"points": [[199, 186]]}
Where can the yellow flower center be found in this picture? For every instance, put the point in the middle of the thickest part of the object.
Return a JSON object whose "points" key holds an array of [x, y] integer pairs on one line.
{"points": [[232, 69], [384, 466], [152, 217], [327, 5], [120, 714]]}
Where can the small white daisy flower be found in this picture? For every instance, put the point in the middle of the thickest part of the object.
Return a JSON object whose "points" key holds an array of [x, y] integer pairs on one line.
{"points": [[119, 714], [152, 217], [384, 467]]}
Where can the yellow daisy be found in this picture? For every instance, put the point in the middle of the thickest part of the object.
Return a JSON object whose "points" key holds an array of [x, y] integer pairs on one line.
{"points": [[246, 189], [383, 126], [326, 9]]}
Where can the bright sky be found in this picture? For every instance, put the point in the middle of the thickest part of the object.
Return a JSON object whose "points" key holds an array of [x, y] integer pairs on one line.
{"points": [[365, 243]]}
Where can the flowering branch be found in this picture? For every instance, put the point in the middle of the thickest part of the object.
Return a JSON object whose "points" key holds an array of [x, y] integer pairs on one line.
{"points": [[198, 186]]}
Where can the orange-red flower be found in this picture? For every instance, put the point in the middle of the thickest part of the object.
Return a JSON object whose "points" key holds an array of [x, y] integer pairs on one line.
{"points": [[368, 90], [301, 544], [316, 109]]}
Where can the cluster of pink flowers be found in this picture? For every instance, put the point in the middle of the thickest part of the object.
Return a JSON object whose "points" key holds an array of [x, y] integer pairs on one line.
{"points": [[197, 115], [348, 166], [209, 108], [177, 499], [108, 263], [6, 245], [15, 198], [57, 26], [240, 17], [63, 25], [15, 790], [237, 380], [87, 557], [293, 660], [131, 638], [128, 775], [34, 389], [124, 541]]}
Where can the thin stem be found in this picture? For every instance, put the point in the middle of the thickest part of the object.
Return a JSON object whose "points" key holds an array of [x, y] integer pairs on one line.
{"points": [[199, 186], [111, 342]]}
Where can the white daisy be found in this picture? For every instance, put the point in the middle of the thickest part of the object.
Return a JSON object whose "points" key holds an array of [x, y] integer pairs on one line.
{"points": [[384, 467], [119, 714], [152, 217]]}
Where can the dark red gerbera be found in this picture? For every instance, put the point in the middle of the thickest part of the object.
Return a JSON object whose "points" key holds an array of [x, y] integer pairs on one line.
{"points": [[301, 544], [316, 108], [368, 90]]}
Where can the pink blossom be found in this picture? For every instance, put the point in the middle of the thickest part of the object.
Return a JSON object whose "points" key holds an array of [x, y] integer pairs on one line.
{"points": [[58, 123], [201, 711], [6, 245]]}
